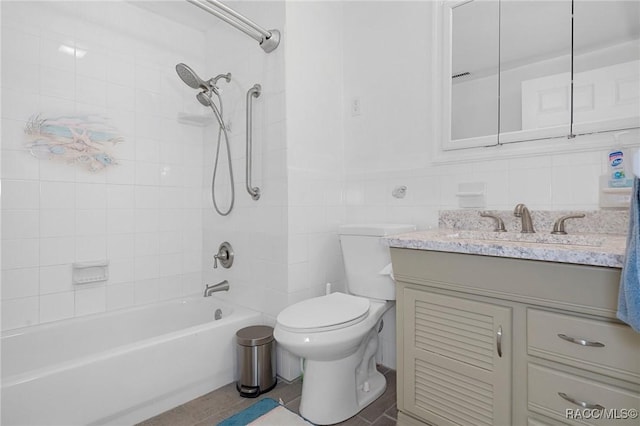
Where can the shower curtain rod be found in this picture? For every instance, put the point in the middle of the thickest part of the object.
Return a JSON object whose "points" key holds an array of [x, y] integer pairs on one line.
{"points": [[268, 40]]}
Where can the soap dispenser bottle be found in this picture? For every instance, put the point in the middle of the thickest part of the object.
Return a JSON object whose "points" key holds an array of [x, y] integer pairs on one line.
{"points": [[619, 171]]}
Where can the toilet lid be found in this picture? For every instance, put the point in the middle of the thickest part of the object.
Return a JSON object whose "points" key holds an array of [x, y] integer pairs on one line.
{"points": [[332, 310]]}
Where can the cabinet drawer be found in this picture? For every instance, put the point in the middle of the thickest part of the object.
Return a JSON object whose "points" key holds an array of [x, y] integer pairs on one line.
{"points": [[545, 384], [605, 347]]}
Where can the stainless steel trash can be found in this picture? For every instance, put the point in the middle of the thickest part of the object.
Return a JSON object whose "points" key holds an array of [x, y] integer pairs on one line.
{"points": [[256, 356]]}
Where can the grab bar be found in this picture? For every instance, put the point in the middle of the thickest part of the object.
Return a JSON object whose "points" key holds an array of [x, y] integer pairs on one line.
{"points": [[255, 91]]}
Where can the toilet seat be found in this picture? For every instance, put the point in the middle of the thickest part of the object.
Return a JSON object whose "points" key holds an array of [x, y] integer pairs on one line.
{"points": [[330, 312]]}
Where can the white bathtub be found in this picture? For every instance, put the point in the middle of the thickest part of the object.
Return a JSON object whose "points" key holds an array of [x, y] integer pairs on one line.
{"points": [[120, 367]]}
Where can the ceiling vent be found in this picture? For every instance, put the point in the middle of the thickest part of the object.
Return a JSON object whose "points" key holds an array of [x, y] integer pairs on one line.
{"points": [[462, 74]]}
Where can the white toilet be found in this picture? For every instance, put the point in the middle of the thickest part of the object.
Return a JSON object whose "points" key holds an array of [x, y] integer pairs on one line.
{"points": [[337, 334]]}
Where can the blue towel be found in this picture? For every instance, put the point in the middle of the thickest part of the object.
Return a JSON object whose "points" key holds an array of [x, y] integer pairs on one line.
{"points": [[251, 413], [629, 295]]}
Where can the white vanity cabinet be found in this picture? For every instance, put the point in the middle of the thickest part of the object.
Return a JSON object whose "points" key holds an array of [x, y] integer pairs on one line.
{"points": [[499, 341]]}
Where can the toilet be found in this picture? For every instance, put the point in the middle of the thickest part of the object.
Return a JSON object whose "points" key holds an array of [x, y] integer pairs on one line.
{"points": [[337, 334]]}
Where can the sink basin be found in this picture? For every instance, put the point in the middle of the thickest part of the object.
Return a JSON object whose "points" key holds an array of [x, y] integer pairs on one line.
{"points": [[538, 238]]}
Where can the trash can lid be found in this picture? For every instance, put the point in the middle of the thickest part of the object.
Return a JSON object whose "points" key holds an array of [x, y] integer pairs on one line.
{"points": [[255, 335]]}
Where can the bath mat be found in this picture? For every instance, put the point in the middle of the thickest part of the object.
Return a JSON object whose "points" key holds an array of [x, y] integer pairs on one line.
{"points": [[266, 412]]}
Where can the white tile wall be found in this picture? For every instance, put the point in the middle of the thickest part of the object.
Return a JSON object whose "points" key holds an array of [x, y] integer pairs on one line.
{"points": [[54, 213], [376, 161], [315, 147], [390, 142], [256, 230], [317, 164]]}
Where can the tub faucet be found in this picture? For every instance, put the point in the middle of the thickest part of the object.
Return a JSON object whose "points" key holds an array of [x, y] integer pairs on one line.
{"points": [[212, 288], [523, 212]]}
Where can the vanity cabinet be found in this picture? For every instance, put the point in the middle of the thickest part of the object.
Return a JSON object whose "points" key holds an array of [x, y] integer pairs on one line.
{"points": [[458, 355], [499, 341]]}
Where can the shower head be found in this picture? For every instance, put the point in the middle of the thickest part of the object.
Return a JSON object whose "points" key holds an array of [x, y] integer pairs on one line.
{"points": [[226, 76], [205, 99], [190, 78]]}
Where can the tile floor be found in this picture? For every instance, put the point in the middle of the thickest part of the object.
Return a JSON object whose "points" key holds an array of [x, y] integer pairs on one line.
{"points": [[212, 408]]}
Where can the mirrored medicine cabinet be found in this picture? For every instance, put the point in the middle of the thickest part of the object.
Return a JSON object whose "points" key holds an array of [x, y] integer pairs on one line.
{"points": [[518, 70]]}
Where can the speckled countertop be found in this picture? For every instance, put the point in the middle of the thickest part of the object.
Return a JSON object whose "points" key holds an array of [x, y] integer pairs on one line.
{"points": [[589, 248]]}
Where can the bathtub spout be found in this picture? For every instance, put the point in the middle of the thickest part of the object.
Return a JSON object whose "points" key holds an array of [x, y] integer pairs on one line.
{"points": [[212, 288]]}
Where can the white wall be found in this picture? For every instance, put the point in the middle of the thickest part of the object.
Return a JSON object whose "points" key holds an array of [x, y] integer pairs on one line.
{"points": [[317, 164], [389, 64], [257, 230], [143, 214], [398, 144], [387, 60], [314, 56], [285, 243]]}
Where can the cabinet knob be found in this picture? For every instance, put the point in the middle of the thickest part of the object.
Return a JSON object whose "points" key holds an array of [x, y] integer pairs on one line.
{"points": [[499, 341]]}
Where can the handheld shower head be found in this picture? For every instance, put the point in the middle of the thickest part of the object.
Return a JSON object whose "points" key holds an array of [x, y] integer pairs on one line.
{"points": [[190, 78], [205, 96], [204, 99]]}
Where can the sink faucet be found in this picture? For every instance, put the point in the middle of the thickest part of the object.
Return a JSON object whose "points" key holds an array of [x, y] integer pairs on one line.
{"points": [[499, 222], [212, 288], [523, 212], [558, 226]]}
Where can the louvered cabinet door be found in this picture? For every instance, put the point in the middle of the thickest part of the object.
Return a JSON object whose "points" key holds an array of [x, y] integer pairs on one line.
{"points": [[457, 360]]}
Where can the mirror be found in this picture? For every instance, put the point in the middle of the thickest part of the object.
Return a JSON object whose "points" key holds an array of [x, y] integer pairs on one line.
{"points": [[535, 69], [606, 64], [509, 73], [474, 71]]}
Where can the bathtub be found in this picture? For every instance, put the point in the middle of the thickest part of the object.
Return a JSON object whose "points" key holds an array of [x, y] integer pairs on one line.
{"points": [[120, 367]]}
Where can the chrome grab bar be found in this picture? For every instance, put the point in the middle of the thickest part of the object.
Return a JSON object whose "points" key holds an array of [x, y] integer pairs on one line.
{"points": [[255, 92]]}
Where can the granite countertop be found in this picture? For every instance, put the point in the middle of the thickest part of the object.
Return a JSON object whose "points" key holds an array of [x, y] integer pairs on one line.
{"points": [[583, 249]]}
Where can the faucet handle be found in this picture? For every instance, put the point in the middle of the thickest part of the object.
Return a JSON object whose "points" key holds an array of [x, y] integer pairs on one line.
{"points": [[558, 226], [222, 255], [225, 255], [499, 223]]}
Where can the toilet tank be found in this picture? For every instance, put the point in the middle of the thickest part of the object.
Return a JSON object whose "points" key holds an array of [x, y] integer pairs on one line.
{"points": [[366, 256]]}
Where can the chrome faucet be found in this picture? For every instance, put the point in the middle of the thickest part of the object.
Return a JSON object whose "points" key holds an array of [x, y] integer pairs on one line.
{"points": [[558, 226], [213, 288], [523, 212], [499, 222]]}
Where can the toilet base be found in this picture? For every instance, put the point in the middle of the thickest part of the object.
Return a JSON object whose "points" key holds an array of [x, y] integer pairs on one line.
{"points": [[333, 391]]}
